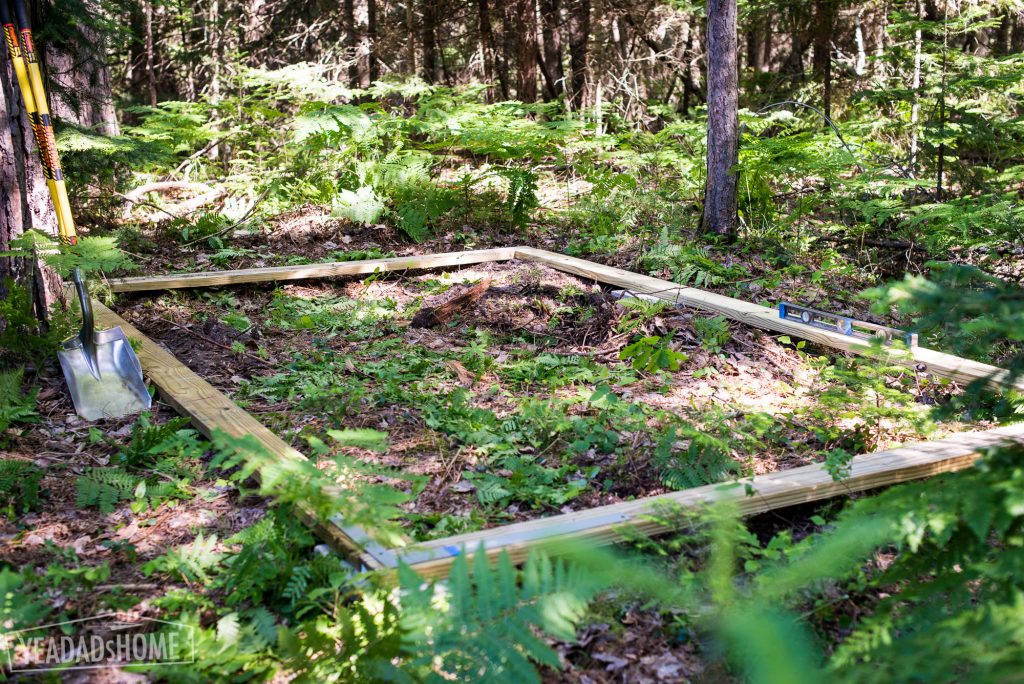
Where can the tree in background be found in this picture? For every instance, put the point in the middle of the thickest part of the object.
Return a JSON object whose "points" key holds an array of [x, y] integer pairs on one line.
{"points": [[723, 120]]}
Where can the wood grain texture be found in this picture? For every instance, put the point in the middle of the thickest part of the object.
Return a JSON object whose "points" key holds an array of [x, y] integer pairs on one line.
{"points": [[775, 490], [209, 410], [308, 271], [939, 363]]}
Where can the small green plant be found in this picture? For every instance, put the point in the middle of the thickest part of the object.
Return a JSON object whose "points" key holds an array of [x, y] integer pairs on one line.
{"points": [[15, 407], [22, 343], [19, 486], [713, 332], [652, 354]]}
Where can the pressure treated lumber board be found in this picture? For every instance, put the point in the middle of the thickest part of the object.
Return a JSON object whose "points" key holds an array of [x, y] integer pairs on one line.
{"points": [[209, 409], [308, 271], [771, 491], [939, 363]]}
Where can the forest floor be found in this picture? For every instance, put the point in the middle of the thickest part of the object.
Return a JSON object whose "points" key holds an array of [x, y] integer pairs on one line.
{"points": [[521, 406]]}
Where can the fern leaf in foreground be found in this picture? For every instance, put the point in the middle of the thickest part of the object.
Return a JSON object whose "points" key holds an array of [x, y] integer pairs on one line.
{"points": [[484, 624]]}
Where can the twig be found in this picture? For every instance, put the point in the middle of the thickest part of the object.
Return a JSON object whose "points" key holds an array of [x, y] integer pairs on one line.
{"points": [[204, 338], [242, 221]]}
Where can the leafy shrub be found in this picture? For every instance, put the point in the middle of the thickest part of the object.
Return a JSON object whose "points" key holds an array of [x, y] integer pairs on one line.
{"points": [[653, 354]]}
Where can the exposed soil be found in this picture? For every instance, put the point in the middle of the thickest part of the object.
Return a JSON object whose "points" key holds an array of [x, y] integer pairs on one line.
{"points": [[527, 311]]}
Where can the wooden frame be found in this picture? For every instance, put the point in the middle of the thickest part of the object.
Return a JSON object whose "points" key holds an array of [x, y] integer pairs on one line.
{"points": [[209, 410]]}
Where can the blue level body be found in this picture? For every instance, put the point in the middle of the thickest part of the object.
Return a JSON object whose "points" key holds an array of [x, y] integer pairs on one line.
{"points": [[844, 325]]}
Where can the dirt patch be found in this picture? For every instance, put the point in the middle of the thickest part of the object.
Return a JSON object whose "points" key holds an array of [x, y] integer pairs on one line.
{"points": [[500, 414]]}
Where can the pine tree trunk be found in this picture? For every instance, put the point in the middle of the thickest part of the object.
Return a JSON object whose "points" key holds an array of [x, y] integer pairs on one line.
{"points": [[723, 119], [372, 66], [579, 52], [554, 74], [24, 199], [431, 73], [483, 11], [526, 50], [78, 79]]}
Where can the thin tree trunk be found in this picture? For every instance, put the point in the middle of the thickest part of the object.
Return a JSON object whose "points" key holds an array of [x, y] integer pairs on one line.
{"points": [[823, 19], [372, 65], [487, 46], [148, 47], [554, 74], [430, 65], [858, 37], [723, 119], [526, 50], [915, 87], [579, 52], [410, 29], [352, 43], [754, 50]]}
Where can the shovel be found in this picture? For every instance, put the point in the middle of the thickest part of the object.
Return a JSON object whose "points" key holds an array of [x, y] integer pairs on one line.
{"points": [[101, 368]]}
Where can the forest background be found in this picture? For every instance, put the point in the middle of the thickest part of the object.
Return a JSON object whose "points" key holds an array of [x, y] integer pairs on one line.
{"points": [[810, 151]]}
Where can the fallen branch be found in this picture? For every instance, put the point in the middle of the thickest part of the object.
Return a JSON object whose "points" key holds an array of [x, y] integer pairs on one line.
{"points": [[186, 207], [429, 317]]}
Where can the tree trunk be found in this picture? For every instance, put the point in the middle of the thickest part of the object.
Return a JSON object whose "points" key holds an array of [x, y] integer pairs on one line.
{"points": [[410, 28], [823, 19], [358, 42], [487, 45], [526, 50], [431, 73], [915, 87], [554, 74], [78, 80], [579, 52], [24, 199], [371, 7], [754, 50], [723, 119]]}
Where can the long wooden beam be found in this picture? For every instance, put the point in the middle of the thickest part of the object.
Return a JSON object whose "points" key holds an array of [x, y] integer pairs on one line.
{"points": [[939, 363], [604, 525], [309, 271], [209, 410]]}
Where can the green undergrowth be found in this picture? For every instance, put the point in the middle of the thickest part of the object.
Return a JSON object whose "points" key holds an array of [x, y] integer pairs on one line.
{"points": [[538, 430]]}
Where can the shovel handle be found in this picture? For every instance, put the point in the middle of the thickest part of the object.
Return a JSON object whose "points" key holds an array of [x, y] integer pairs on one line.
{"points": [[83, 299]]}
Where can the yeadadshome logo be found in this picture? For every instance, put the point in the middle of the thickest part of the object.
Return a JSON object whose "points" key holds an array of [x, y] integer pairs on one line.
{"points": [[107, 640]]}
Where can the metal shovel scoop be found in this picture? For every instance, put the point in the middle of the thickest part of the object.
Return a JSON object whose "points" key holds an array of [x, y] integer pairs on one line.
{"points": [[102, 370]]}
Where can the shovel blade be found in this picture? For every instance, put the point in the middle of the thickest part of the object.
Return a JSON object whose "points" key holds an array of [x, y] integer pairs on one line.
{"points": [[119, 389]]}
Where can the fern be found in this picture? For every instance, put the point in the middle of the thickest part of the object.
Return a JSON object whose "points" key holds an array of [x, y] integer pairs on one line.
{"points": [[148, 440], [19, 485], [481, 626], [105, 488], [191, 562], [686, 457], [15, 407]]}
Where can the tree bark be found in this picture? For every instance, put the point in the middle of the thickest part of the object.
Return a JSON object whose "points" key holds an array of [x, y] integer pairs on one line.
{"points": [[487, 46], [372, 64], [723, 119], [410, 28], [824, 19], [554, 74], [579, 52], [526, 50], [78, 79], [431, 73]]}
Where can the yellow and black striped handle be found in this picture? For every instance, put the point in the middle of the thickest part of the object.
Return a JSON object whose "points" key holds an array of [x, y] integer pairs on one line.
{"points": [[33, 93]]}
